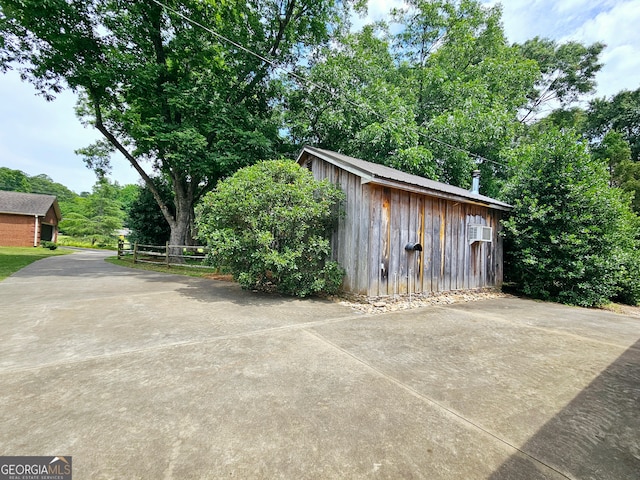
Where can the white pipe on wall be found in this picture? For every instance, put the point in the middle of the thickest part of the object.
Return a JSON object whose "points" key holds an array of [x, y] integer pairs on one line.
{"points": [[35, 233]]}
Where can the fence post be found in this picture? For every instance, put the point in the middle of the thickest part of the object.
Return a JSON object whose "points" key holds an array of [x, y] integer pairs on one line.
{"points": [[135, 252], [166, 246]]}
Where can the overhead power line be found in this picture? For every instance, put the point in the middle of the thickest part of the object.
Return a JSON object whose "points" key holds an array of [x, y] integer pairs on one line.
{"points": [[308, 82]]}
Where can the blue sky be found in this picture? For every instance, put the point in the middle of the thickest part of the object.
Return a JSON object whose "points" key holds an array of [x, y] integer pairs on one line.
{"points": [[40, 137]]}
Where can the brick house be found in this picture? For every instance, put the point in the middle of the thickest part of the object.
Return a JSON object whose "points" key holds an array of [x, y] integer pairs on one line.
{"points": [[26, 219]]}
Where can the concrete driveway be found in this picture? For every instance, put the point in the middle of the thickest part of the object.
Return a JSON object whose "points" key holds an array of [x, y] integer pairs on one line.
{"points": [[140, 375]]}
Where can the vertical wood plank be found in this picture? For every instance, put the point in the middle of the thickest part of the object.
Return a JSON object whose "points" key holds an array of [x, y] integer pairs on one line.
{"points": [[467, 251], [401, 240], [428, 253], [459, 249], [438, 245], [447, 272], [354, 222], [331, 173], [453, 243], [386, 277], [375, 217], [394, 257], [418, 228], [479, 253], [362, 279]]}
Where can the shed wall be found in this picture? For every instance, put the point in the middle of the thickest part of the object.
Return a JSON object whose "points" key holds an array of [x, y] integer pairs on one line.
{"points": [[378, 223], [447, 261]]}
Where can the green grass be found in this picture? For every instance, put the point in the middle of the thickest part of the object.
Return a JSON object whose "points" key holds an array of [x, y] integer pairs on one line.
{"points": [[190, 272], [100, 242], [13, 259]]}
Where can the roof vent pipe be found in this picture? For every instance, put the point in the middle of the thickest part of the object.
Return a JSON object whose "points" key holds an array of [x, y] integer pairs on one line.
{"points": [[475, 183]]}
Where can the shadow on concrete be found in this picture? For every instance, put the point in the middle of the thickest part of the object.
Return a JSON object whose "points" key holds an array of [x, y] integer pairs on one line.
{"points": [[92, 264], [211, 291], [596, 436]]}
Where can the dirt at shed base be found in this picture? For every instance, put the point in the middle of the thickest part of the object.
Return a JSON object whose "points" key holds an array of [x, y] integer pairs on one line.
{"points": [[222, 277]]}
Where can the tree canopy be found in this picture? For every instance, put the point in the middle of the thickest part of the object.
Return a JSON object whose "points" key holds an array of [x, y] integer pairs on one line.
{"points": [[190, 91], [567, 72], [170, 96], [18, 181], [98, 215]]}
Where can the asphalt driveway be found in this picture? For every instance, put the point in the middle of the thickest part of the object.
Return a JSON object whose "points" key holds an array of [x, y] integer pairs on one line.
{"points": [[140, 375]]}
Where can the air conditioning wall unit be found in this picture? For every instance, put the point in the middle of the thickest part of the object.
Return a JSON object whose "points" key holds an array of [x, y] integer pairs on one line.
{"points": [[479, 233]]}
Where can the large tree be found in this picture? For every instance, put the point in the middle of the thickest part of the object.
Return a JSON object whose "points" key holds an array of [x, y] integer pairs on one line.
{"points": [[612, 127], [356, 103], [431, 100], [144, 218], [98, 215], [170, 96], [470, 84], [621, 113], [567, 73], [18, 181]]}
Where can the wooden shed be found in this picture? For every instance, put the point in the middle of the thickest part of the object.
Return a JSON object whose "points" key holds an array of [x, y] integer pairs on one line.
{"points": [[26, 219], [403, 233]]}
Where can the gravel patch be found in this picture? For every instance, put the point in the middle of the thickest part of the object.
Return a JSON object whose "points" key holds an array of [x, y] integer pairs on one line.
{"points": [[377, 305]]}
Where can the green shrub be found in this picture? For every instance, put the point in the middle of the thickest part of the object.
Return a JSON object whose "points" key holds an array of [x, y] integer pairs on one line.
{"points": [[629, 282], [49, 245], [570, 237], [269, 226]]}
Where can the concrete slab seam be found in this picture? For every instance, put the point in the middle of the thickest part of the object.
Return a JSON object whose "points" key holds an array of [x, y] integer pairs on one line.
{"points": [[456, 415], [297, 326]]}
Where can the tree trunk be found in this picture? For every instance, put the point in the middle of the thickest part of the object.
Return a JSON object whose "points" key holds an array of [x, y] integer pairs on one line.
{"points": [[181, 226]]}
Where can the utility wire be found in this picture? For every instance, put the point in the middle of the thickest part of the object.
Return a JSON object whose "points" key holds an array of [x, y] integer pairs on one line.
{"points": [[308, 82]]}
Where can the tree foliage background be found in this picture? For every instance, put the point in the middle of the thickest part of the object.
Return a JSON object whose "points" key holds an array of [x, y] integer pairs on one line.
{"points": [[173, 98], [437, 91]]}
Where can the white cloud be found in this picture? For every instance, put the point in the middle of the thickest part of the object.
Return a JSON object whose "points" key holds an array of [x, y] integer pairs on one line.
{"points": [[616, 26], [613, 22], [621, 70], [376, 10], [579, 7]]}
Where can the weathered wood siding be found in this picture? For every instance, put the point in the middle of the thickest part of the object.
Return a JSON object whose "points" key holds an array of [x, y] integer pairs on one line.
{"points": [[350, 242], [378, 223]]}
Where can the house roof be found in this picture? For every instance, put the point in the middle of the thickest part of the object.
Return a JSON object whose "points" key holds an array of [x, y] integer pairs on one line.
{"points": [[383, 175], [19, 203]]}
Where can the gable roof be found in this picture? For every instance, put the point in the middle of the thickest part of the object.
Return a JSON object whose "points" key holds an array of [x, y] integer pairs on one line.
{"points": [[19, 203], [383, 175]]}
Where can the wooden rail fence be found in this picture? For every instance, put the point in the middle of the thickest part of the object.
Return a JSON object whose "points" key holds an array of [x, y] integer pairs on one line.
{"points": [[177, 255]]}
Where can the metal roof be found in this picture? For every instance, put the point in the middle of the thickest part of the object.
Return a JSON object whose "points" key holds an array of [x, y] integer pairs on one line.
{"points": [[381, 174], [19, 203]]}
